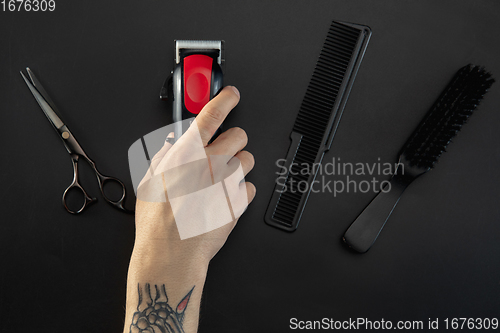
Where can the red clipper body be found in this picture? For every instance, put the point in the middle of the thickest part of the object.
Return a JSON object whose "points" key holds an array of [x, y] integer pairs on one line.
{"points": [[195, 80]]}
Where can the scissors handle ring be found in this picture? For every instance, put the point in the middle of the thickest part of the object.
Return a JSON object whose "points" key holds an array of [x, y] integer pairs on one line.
{"points": [[102, 180], [87, 199], [102, 184]]}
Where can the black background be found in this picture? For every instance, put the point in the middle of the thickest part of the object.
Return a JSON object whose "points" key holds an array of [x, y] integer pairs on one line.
{"points": [[103, 62]]}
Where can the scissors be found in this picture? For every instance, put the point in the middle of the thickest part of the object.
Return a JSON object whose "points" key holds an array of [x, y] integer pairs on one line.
{"points": [[74, 149]]}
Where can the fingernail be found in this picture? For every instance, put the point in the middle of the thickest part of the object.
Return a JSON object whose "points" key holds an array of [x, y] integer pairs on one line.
{"points": [[170, 138], [236, 91]]}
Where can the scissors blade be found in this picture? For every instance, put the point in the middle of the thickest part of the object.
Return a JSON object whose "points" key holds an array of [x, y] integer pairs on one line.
{"points": [[41, 90], [44, 105]]}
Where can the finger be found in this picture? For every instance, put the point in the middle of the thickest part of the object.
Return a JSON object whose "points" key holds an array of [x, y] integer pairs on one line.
{"points": [[156, 160], [246, 159], [214, 113], [161, 153], [251, 191], [238, 209], [228, 143]]}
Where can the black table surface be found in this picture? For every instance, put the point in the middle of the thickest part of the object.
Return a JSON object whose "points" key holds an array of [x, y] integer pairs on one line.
{"points": [[103, 62]]}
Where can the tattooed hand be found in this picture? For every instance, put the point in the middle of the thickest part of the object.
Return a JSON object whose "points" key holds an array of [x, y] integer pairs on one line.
{"points": [[187, 205], [156, 315], [191, 198]]}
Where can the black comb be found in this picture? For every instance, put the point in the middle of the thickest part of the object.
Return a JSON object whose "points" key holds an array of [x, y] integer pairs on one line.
{"points": [[421, 152], [317, 121]]}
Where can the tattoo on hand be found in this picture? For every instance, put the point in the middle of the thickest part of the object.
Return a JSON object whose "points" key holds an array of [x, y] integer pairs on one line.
{"points": [[156, 315]]}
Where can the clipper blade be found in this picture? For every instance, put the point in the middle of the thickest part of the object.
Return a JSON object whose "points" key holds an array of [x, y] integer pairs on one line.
{"points": [[199, 45]]}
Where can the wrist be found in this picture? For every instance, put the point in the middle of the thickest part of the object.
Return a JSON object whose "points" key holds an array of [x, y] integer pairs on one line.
{"points": [[153, 259], [177, 277]]}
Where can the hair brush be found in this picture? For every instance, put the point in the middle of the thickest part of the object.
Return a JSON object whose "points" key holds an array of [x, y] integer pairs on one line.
{"points": [[422, 150]]}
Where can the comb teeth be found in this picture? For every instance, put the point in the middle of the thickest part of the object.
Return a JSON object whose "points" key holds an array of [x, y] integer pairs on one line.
{"points": [[447, 116], [318, 117], [319, 100]]}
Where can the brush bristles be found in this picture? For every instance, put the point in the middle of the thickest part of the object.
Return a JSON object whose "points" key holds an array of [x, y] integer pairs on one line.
{"points": [[446, 117]]}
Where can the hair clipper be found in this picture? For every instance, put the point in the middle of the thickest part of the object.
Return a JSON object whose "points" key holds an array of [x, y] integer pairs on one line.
{"points": [[196, 79]]}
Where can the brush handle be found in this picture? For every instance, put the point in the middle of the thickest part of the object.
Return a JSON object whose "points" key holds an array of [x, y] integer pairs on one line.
{"points": [[365, 229]]}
